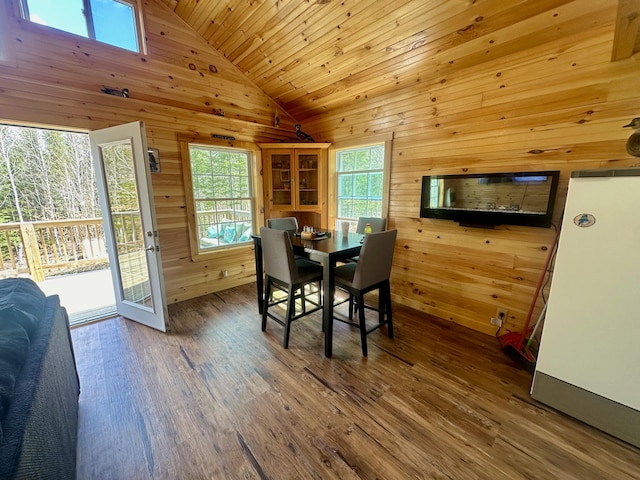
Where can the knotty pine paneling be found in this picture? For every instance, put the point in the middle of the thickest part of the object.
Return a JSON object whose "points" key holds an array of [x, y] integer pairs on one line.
{"points": [[423, 56], [464, 86], [314, 57], [558, 105], [56, 81]]}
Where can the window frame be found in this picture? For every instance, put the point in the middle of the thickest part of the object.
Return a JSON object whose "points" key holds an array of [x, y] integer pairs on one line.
{"points": [[197, 253], [6, 48], [23, 11], [387, 141]]}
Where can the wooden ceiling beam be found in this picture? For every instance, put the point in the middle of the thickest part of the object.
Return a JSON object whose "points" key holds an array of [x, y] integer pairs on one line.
{"points": [[627, 30]]}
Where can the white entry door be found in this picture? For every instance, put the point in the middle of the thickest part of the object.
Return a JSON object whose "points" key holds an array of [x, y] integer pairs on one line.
{"points": [[124, 187]]}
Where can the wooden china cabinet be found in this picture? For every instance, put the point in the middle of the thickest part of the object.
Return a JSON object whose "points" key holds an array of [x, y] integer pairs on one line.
{"points": [[295, 181]]}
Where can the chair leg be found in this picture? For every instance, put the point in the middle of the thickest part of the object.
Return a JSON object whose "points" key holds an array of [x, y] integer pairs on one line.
{"points": [[363, 325], [382, 303], [320, 300], [387, 296], [265, 305], [291, 309], [351, 307]]}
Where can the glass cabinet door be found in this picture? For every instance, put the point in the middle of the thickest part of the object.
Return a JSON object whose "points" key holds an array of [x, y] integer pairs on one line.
{"points": [[281, 179], [295, 181], [308, 179]]}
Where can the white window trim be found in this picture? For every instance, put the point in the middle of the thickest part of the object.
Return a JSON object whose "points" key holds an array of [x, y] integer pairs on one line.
{"points": [[257, 206], [387, 140], [6, 47]]}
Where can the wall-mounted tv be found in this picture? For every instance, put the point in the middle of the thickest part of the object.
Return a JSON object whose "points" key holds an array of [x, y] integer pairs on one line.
{"points": [[486, 200]]}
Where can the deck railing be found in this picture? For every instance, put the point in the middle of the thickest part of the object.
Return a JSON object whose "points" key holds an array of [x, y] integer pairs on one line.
{"points": [[42, 248], [207, 218]]}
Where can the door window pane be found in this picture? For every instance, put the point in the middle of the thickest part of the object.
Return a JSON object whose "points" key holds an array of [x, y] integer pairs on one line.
{"points": [[127, 227]]}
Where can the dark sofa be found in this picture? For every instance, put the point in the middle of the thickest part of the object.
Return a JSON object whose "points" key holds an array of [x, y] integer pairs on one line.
{"points": [[39, 385]]}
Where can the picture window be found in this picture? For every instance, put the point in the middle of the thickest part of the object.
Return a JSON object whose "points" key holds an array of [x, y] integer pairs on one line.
{"points": [[222, 196], [360, 177]]}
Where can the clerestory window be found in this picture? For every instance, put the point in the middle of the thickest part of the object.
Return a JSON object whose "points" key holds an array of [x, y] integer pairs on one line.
{"points": [[115, 22]]}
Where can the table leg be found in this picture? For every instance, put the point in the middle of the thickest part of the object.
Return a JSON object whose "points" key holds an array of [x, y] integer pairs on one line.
{"points": [[327, 310], [257, 250]]}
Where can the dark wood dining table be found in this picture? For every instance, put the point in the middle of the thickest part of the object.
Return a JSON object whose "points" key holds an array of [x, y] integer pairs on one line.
{"points": [[327, 251]]}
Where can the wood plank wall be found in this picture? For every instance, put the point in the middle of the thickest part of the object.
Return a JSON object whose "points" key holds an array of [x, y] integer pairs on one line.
{"points": [[55, 79], [554, 105], [559, 103]]}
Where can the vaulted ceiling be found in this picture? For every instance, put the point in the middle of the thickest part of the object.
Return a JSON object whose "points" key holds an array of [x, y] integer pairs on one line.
{"points": [[315, 55]]}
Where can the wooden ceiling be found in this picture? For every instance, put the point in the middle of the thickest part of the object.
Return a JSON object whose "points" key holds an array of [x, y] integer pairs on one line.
{"points": [[318, 55]]}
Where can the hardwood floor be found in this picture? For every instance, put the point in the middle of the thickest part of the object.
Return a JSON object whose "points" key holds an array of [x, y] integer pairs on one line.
{"points": [[217, 398]]}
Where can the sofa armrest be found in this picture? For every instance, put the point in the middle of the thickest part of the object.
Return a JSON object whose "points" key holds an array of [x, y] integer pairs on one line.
{"points": [[41, 424]]}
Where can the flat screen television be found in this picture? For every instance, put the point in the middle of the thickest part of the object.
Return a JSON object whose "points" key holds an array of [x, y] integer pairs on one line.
{"points": [[487, 200]]}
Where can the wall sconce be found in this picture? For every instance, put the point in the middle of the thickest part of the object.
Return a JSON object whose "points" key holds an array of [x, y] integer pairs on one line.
{"points": [[154, 160]]}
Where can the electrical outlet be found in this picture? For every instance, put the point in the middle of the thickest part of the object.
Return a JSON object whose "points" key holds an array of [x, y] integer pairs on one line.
{"points": [[501, 316]]}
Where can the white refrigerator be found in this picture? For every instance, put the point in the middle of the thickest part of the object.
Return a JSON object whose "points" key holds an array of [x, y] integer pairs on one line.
{"points": [[588, 364]]}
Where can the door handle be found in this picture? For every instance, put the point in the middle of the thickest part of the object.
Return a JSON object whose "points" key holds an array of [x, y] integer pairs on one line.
{"points": [[150, 249]]}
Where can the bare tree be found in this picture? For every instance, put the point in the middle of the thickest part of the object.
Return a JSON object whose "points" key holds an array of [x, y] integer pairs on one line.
{"points": [[7, 140], [79, 176], [50, 174]]}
